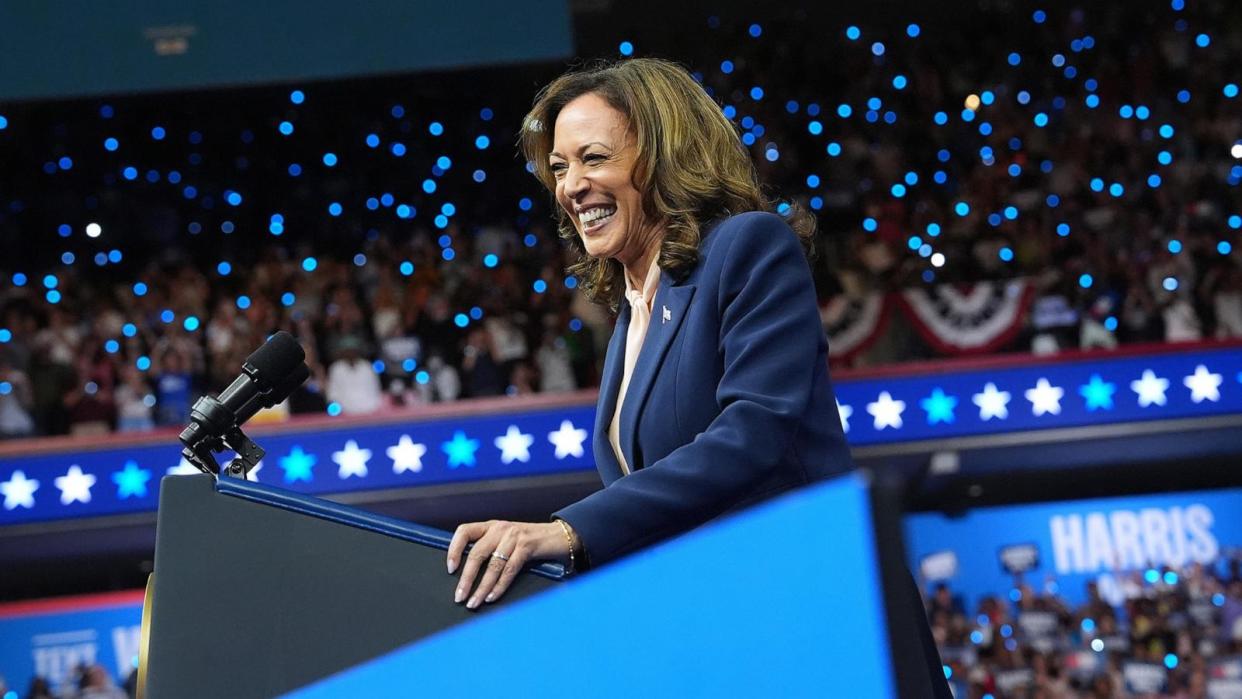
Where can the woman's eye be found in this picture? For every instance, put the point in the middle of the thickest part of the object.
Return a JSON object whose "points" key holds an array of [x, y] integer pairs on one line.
{"points": [[592, 157]]}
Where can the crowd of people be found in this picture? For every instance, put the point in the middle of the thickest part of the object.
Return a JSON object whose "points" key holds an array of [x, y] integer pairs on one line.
{"points": [[1173, 629], [386, 223], [374, 339], [87, 681]]}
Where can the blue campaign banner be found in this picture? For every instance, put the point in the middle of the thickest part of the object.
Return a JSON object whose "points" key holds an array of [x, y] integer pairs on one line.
{"points": [[1052, 395], [523, 439], [1106, 541], [50, 638], [369, 457]]}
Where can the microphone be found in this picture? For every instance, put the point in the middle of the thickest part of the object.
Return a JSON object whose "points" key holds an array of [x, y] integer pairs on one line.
{"points": [[278, 393], [268, 377]]}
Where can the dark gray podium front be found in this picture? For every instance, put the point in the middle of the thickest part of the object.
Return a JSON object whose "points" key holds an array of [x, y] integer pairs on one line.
{"points": [[258, 590]]}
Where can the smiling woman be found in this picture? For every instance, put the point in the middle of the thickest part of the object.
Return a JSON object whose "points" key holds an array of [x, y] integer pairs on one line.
{"points": [[725, 401], [715, 392], [592, 164], [667, 151]]}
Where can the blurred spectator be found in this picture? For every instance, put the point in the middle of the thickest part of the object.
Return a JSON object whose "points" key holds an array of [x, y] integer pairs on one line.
{"points": [[134, 401], [444, 378], [352, 382], [97, 684], [173, 388], [483, 373], [16, 400], [39, 689], [556, 372]]}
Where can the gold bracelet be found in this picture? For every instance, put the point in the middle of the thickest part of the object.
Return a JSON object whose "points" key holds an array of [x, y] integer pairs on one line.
{"points": [[569, 539]]}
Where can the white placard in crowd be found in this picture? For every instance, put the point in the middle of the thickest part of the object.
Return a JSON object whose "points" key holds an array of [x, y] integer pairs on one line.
{"points": [[1083, 664], [1225, 678], [1010, 681], [1019, 558], [941, 565], [1144, 678]]}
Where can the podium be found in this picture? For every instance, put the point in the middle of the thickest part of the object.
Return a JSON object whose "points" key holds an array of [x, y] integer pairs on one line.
{"points": [[257, 591], [797, 597]]}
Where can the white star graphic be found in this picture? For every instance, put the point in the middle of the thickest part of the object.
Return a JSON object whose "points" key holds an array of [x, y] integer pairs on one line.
{"points": [[352, 460], [75, 486], [568, 440], [1203, 385], [406, 455], [1045, 398], [845, 412], [514, 445], [992, 403], [185, 468], [1150, 389], [886, 411], [19, 491]]}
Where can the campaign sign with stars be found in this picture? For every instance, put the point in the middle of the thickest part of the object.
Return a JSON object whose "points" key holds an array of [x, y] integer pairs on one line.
{"points": [[369, 457], [1043, 394], [1115, 389]]}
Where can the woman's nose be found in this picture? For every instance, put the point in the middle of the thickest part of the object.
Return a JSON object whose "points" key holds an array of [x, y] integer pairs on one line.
{"points": [[575, 183]]}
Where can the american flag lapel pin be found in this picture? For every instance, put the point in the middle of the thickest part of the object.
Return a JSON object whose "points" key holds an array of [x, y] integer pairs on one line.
{"points": [[667, 315]]}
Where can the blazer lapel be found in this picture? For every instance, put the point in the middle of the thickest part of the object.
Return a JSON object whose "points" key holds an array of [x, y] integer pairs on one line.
{"points": [[605, 460], [667, 312]]}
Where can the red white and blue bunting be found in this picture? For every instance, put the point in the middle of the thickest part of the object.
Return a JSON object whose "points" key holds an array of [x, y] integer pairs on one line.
{"points": [[975, 319], [854, 323]]}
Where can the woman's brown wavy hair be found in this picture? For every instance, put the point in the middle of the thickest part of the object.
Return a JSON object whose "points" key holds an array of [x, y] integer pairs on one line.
{"points": [[690, 166]]}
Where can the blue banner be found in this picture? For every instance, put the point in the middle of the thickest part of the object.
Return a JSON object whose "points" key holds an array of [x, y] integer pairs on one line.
{"points": [[521, 441], [50, 638], [1069, 544], [1065, 394], [472, 448]]}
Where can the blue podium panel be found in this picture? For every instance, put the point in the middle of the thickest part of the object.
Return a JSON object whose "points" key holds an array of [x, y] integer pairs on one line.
{"points": [[781, 600]]}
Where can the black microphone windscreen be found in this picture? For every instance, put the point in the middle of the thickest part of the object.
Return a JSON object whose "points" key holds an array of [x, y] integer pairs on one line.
{"points": [[288, 386], [279, 356]]}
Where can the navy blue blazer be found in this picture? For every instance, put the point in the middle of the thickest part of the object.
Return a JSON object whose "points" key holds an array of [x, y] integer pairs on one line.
{"points": [[730, 400]]}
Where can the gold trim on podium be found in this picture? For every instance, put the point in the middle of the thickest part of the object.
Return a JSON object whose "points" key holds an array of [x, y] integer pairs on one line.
{"points": [[144, 638]]}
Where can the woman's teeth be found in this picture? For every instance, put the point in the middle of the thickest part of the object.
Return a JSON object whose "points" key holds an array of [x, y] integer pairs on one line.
{"points": [[596, 217]]}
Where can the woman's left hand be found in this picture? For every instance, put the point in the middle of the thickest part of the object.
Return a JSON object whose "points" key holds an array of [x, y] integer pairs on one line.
{"points": [[501, 549]]}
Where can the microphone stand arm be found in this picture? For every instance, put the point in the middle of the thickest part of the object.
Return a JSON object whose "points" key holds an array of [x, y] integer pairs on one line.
{"points": [[249, 454], [210, 416]]}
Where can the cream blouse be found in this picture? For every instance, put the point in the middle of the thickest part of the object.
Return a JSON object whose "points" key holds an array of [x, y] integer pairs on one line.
{"points": [[640, 318]]}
